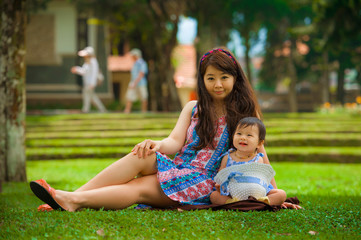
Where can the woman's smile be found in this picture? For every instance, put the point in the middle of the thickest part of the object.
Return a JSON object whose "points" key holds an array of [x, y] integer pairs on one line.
{"points": [[218, 83]]}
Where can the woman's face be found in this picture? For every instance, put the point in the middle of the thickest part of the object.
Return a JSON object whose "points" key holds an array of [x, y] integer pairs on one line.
{"points": [[218, 83]]}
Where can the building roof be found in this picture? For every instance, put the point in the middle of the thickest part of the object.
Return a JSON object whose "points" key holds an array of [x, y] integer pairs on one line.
{"points": [[185, 69], [120, 63]]}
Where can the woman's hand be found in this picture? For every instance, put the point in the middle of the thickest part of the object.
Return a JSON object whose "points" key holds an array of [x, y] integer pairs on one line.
{"points": [[146, 148]]}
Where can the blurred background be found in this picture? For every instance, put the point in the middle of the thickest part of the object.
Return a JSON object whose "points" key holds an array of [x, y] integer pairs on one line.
{"points": [[300, 56]]}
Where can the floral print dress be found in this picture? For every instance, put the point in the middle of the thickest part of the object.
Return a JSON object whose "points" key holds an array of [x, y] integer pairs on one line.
{"points": [[188, 178]]}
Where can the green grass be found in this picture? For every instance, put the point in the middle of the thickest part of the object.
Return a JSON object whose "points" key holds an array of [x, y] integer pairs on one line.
{"points": [[290, 137], [299, 154], [328, 192], [307, 151], [307, 178]]}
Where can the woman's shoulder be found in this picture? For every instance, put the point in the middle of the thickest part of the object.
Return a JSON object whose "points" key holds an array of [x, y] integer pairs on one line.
{"points": [[190, 105], [188, 109]]}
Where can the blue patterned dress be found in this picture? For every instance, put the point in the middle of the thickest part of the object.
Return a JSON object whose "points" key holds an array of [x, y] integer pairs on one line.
{"points": [[188, 178]]}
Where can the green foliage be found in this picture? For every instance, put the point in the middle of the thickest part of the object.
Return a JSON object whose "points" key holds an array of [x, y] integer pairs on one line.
{"points": [[33, 6], [328, 20], [214, 22]]}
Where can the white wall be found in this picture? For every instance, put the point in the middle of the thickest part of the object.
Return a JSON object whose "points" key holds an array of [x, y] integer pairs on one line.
{"points": [[65, 26]]}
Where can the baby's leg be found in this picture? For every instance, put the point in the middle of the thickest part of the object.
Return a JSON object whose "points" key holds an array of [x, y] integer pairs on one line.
{"points": [[122, 171], [217, 198], [276, 196]]}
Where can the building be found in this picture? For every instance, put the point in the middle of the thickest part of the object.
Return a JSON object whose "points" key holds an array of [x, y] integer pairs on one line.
{"points": [[53, 39]]}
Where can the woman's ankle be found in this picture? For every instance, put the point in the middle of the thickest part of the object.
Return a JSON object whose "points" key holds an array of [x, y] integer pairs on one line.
{"points": [[68, 200]]}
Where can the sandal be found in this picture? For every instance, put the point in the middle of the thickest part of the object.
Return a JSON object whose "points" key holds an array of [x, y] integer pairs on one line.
{"points": [[45, 193], [45, 208]]}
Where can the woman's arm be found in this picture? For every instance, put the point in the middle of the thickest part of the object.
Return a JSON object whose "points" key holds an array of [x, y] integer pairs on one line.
{"points": [[78, 70], [174, 142]]}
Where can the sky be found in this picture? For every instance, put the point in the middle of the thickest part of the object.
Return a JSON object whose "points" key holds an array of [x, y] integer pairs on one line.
{"points": [[188, 31]]}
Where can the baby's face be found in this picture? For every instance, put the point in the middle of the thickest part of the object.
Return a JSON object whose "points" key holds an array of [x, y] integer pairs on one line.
{"points": [[246, 138]]}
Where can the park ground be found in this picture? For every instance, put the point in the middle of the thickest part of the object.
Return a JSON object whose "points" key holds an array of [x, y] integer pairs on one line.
{"points": [[316, 156]]}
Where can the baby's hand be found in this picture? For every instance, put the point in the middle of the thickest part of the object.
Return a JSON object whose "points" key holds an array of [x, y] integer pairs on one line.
{"points": [[291, 206], [218, 187], [146, 148]]}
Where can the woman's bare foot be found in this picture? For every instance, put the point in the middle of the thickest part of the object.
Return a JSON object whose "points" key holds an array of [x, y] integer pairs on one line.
{"points": [[67, 200]]}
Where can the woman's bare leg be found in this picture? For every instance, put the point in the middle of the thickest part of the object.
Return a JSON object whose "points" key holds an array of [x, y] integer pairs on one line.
{"points": [[139, 190], [122, 171]]}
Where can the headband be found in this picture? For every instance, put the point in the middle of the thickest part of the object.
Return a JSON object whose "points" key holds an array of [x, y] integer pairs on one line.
{"points": [[219, 50]]}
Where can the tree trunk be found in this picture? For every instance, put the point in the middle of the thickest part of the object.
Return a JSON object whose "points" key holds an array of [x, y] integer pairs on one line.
{"points": [[248, 59], [358, 77], [12, 91], [340, 83], [162, 89], [292, 73], [163, 92], [324, 80], [172, 91]]}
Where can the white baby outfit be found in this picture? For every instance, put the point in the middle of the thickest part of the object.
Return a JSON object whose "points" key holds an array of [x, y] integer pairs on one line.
{"points": [[243, 179]]}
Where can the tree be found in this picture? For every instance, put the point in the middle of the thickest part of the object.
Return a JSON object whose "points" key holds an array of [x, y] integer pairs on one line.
{"points": [[338, 21], [282, 53], [159, 38], [151, 26], [12, 86], [248, 19], [12, 91], [214, 23]]}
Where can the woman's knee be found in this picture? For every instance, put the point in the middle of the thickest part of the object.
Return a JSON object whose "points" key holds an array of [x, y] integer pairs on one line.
{"points": [[149, 164], [150, 192], [145, 166]]}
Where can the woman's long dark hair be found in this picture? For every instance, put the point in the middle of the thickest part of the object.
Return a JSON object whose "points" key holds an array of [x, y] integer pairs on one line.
{"points": [[240, 103]]}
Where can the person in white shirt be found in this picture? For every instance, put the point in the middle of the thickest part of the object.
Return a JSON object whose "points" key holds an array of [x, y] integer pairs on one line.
{"points": [[89, 71]]}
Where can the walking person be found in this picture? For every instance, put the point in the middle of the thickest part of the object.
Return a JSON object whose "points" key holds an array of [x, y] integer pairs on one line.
{"points": [[137, 88], [200, 136], [89, 71]]}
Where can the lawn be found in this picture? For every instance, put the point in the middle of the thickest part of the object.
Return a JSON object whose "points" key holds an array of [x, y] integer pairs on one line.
{"points": [[324, 174]]}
